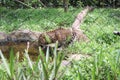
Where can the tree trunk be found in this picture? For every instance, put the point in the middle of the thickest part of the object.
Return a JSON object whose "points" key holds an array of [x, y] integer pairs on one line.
{"points": [[65, 4]]}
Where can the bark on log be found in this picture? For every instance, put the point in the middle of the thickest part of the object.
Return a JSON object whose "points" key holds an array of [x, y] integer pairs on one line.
{"points": [[18, 39], [80, 17]]}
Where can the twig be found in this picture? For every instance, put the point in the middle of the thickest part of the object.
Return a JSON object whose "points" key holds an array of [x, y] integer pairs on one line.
{"points": [[24, 4], [42, 3]]}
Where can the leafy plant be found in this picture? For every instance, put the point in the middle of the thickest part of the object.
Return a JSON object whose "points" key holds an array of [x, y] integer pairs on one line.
{"points": [[103, 46], [43, 68]]}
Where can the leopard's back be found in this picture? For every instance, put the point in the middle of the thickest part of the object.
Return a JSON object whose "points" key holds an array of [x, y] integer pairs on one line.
{"points": [[61, 35]]}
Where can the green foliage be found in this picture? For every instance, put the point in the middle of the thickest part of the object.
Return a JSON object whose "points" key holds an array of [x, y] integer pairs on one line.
{"points": [[102, 66], [103, 48], [108, 38], [35, 19], [57, 3], [42, 69], [14, 4]]}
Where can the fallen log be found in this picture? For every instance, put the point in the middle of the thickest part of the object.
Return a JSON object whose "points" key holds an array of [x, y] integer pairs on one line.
{"points": [[18, 39], [80, 17]]}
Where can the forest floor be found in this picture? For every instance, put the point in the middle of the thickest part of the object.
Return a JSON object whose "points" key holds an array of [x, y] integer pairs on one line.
{"points": [[103, 48]]}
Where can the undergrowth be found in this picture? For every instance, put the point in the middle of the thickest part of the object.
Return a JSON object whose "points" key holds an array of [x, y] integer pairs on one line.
{"points": [[103, 47]]}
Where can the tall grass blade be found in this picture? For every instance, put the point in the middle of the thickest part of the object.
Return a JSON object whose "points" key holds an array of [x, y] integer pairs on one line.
{"points": [[59, 60], [5, 64], [42, 55], [19, 74], [28, 58], [118, 58], [94, 67], [45, 74], [55, 59], [24, 78], [54, 71], [47, 55], [12, 66], [47, 59], [44, 67], [108, 76]]}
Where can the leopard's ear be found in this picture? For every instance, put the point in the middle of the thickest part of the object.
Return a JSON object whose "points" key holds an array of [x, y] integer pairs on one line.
{"points": [[80, 17]]}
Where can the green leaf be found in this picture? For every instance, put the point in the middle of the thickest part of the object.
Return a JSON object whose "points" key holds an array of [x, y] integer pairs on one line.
{"points": [[12, 66], [28, 58], [47, 38], [43, 62], [54, 70], [5, 64], [47, 55]]}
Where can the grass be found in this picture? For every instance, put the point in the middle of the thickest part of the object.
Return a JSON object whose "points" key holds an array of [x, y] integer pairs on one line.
{"points": [[42, 69], [104, 46], [38, 19]]}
